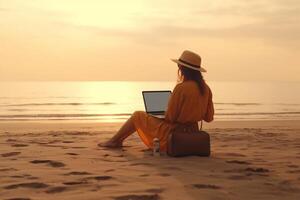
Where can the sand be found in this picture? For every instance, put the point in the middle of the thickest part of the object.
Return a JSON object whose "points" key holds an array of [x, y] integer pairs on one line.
{"points": [[250, 160]]}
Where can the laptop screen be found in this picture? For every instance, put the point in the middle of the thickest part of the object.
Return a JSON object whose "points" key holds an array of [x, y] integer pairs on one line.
{"points": [[156, 101]]}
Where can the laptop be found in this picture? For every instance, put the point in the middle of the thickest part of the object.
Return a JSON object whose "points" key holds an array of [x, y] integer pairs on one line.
{"points": [[156, 102]]}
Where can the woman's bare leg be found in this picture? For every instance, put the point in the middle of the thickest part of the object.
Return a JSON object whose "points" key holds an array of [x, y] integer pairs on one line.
{"points": [[116, 141]]}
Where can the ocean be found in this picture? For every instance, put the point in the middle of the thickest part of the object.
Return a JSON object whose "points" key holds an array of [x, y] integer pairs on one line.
{"points": [[113, 101]]}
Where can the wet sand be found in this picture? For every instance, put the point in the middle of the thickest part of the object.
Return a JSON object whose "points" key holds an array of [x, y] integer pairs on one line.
{"points": [[53, 160]]}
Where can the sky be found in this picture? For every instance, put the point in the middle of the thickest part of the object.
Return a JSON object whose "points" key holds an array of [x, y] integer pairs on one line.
{"points": [[134, 40]]}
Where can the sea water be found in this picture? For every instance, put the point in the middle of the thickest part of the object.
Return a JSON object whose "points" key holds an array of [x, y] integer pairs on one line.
{"points": [[113, 101]]}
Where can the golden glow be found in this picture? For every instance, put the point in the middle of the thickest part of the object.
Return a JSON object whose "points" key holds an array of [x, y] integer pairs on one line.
{"points": [[135, 39], [104, 14]]}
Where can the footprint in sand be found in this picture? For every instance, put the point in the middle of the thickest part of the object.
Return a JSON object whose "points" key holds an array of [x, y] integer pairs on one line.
{"points": [[27, 176], [269, 184], [72, 154], [164, 174], [144, 164], [78, 147], [48, 162], [10, 154], [8, 169], [32, 178], [67, 141], [32, 185], [11, 140], [248, 169], [138, 197], [17, 176], [86, 180], [117, 156], [75, 182], [257, 170], [77, 173], [19, 145], [112, 160], [238, 162], [206, 186], [249, 172], [98, 178]]}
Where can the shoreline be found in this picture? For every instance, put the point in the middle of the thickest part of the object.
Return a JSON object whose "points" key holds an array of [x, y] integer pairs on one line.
{"points": [[67, 125], [249, 160]]}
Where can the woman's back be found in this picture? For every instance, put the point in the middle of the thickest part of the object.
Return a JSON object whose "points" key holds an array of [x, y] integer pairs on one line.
{"points": [[187, 105]]}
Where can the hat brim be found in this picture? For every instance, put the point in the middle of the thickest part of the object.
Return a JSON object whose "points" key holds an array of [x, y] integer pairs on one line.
{"points": [[201, 69]]}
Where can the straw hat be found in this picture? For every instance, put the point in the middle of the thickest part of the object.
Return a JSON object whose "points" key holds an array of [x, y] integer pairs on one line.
{"points": [[190, 60]]}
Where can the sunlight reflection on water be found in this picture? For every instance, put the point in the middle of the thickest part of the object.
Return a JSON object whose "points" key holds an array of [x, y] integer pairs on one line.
{"points": [[115, 101]]}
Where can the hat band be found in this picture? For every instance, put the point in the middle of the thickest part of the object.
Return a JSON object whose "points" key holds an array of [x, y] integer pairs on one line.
{"points": [[197, 66]]}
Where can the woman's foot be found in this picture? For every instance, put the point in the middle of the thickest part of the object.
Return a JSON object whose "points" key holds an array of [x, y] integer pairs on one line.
{"points": [[110, 144]]}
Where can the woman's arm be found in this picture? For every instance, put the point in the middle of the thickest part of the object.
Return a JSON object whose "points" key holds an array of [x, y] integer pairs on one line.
{"points": [[209, 116], [173, 109]]}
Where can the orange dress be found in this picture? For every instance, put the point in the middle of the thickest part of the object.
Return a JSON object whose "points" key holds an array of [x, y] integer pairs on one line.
{"points": [[186, 105]]}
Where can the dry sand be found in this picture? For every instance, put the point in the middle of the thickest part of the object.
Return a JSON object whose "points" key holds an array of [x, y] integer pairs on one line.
{"points": [[250, 160]]}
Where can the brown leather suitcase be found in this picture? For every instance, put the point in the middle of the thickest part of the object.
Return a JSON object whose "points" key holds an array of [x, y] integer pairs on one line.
{"points": [[188, 143]]}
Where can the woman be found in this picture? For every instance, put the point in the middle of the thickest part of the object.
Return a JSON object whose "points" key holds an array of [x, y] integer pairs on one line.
{"points": [[190, 102]]}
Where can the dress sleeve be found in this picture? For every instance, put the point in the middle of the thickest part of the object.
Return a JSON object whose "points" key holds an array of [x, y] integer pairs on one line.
{"points": [[209, 115], [174, 105]]}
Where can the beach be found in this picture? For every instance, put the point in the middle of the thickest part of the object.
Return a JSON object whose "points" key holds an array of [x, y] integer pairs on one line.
{"points": [[61, 160], [73, 72]]}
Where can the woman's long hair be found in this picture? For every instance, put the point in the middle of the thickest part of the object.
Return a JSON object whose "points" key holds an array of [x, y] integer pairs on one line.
{"points": [[185, 74]]}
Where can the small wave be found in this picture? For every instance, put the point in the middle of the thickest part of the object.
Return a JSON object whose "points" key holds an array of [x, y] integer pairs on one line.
{"points": [[288, 104], [63, 115], [128, 114], [257, 104], [44, 97], [261, 113], [58, 104], [17, 110], [113, 103], [62, 119], [240, 104]]}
